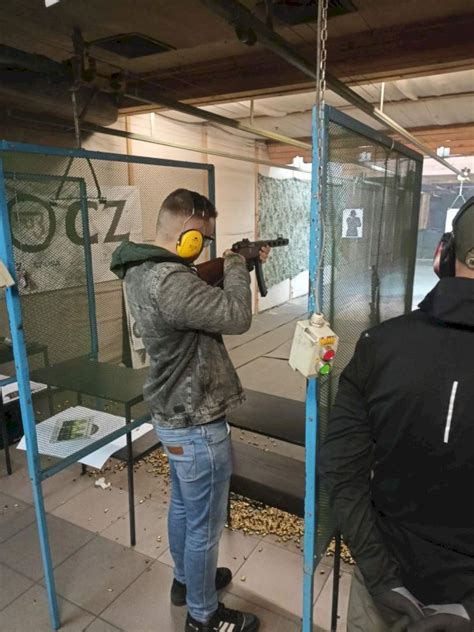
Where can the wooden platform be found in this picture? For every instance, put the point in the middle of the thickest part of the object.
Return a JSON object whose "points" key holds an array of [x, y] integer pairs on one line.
{"points": [[273, 479], [276, 417]]}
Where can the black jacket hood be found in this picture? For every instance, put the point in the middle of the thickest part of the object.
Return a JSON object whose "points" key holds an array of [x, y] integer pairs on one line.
{"points": [[451, 301]]}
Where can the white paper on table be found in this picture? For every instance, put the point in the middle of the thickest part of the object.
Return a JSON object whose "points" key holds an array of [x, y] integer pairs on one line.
{"points": [[98, 458], [10, 391], [62, 449]]}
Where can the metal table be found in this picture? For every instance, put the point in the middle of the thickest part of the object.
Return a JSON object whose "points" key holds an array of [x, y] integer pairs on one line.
{"points": [[6, 355], [32, 348], [103, 381], [3, 426]]}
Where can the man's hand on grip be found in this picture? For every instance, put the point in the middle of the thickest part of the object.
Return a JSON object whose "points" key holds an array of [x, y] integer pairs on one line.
{"points": [[444, 618], [398, 602]]}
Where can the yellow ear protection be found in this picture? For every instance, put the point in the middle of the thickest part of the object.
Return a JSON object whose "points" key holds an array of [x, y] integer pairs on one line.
{"points": [[190, 244]]}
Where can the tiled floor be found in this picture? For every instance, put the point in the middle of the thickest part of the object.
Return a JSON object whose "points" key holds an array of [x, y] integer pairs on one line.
{"points": [[106, 586]]}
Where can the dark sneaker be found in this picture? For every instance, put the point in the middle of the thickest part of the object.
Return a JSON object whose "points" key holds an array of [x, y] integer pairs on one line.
{"points": [[225, 619], [178, 590]]}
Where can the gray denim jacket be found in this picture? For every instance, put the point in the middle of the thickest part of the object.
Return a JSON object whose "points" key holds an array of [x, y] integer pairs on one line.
{"points": [[181, 320]]}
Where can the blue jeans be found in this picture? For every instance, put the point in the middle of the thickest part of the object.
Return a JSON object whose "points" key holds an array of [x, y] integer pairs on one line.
{"points": [[200, 458]]}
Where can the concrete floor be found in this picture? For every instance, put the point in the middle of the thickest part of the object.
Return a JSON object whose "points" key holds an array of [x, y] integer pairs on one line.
{"points": [[103, 584]]}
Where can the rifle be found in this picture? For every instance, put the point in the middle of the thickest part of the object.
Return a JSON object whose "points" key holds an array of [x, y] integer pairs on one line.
{"points": [[213, 271]]}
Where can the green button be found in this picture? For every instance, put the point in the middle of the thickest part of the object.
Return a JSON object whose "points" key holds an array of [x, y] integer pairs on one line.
{"points": [[325, 369]]}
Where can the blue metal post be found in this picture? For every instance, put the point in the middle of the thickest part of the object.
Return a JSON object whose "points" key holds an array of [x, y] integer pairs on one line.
{"points": [[89, 270], [310, 509], [26, 406]]}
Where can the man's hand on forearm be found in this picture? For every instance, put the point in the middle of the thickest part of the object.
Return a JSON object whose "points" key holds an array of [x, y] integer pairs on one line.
{"points": [[398, 602], [264, 253], [444, 618]]}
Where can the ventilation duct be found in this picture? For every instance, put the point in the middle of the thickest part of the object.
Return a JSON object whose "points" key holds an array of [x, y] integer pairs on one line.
{"points": [[132, 45], [38, 84]]}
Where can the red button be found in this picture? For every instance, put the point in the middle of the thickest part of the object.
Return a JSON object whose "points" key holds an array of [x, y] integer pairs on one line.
{"points": [[328, 355]]}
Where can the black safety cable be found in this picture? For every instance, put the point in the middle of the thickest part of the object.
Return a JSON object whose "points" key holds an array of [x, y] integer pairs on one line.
{"points": [[375, 280]]}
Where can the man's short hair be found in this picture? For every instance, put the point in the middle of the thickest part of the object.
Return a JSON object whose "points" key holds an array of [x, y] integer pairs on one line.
{"points": [[184, 203]]}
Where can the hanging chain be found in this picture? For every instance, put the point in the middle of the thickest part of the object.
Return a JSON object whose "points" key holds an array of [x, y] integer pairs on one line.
{"points": [[320, 105], [321, 80], [77, 71]]}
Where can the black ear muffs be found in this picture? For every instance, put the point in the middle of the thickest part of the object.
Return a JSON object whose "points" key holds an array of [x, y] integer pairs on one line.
{"points": [[444, 262]]}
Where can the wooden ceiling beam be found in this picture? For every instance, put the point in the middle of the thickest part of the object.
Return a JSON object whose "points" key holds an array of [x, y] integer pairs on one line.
{"points": [[380, 55]]}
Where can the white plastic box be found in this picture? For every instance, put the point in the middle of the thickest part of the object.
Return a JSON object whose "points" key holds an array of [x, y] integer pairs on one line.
{"points": [[314, 347]]}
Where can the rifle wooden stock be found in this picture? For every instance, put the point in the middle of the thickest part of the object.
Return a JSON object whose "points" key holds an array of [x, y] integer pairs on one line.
{"points": [[212, 272]]}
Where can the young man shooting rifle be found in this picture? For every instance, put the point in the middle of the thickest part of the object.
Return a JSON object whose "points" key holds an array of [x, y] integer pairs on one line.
{"points": [[191, 387]]}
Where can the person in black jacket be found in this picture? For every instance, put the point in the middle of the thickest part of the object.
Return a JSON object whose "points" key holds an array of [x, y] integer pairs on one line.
{"points": [[398, 459]]}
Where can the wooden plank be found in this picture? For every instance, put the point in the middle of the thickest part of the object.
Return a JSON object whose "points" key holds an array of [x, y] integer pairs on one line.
{"points": [[272, 416], [270, 478]]}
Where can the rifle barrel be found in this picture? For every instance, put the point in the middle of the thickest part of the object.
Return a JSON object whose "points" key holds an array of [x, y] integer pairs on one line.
{"points": [[273, 243]]}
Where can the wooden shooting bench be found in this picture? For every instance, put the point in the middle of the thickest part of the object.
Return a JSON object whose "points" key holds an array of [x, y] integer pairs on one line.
{"points": [[274, 479], [271, 478]]}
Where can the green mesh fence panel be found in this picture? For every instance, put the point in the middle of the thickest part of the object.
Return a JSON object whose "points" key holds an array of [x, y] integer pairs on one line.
{"points": [[369, 240], [370, 212], [44, 199], [50, 266]]}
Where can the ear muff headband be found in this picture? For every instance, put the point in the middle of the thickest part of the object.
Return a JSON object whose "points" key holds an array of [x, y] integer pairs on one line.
{"points": [[190, 244], [444, 263]]}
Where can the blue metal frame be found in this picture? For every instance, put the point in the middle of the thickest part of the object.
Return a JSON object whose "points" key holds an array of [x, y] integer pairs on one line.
{"points": [[310, 509], [26, 406], [15, 320], [47, 150]]}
